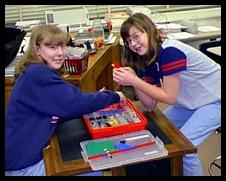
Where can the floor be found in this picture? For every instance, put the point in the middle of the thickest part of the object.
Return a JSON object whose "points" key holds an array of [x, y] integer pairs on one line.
{"points": [[208, 150]]}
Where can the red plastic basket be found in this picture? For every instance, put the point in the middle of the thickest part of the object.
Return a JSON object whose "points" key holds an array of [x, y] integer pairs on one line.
{"points": [[118, 129], [76, 66]]}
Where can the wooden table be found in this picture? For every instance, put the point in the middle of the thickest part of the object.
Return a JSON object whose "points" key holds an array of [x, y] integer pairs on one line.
{"points": [[215, 50], [178, 146]]}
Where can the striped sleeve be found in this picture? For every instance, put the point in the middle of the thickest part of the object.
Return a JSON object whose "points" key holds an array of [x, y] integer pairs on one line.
{"points": [[172, 60]]}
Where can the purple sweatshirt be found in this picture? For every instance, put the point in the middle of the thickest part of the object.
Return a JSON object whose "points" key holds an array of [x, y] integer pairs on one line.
{"points": [[39, 101]]}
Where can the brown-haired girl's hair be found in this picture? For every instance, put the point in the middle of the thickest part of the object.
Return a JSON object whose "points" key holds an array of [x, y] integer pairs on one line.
{"points": [[145, 25], [43, 34]]}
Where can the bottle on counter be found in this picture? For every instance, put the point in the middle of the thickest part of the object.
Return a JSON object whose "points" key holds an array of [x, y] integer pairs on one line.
{"points": [[98, 34]]}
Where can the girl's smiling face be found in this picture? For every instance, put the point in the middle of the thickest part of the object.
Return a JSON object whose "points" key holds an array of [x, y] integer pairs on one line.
{"points": [[52, 54], [137, 41]]}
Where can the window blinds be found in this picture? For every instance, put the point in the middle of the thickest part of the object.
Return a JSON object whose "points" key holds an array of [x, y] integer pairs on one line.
{"points": [[14, 13]]}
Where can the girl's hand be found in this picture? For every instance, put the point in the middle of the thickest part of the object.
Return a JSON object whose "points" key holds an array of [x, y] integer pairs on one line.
{"points": [[124, 76], [130, 70]]}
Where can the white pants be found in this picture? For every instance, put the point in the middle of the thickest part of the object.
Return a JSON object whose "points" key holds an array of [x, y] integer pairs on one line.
{"points": [[37, 169], [196, 125]]}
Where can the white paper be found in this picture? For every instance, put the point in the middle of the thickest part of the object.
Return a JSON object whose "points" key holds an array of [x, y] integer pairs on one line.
{"points": [[168, 26], [215, 50], [208, 28], [9, 71]]}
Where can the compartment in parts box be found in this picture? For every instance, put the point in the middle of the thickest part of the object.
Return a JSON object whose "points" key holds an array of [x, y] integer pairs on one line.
{"points": [[122, 149], [119, 118]]}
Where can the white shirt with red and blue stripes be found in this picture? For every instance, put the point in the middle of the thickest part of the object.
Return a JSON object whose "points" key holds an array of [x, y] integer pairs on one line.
{"points": [[200, 76]]}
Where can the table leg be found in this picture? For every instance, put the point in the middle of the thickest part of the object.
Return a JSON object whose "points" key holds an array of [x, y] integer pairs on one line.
{"points": [[118, 171], [176, 164]]}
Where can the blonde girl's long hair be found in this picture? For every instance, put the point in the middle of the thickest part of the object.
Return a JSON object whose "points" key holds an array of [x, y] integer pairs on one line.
{"points": [[43, 34], [145, 25]]}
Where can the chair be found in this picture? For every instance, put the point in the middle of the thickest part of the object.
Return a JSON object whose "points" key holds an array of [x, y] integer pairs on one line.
{"points": [[13, 39], [204, 46], [215, 165]]}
